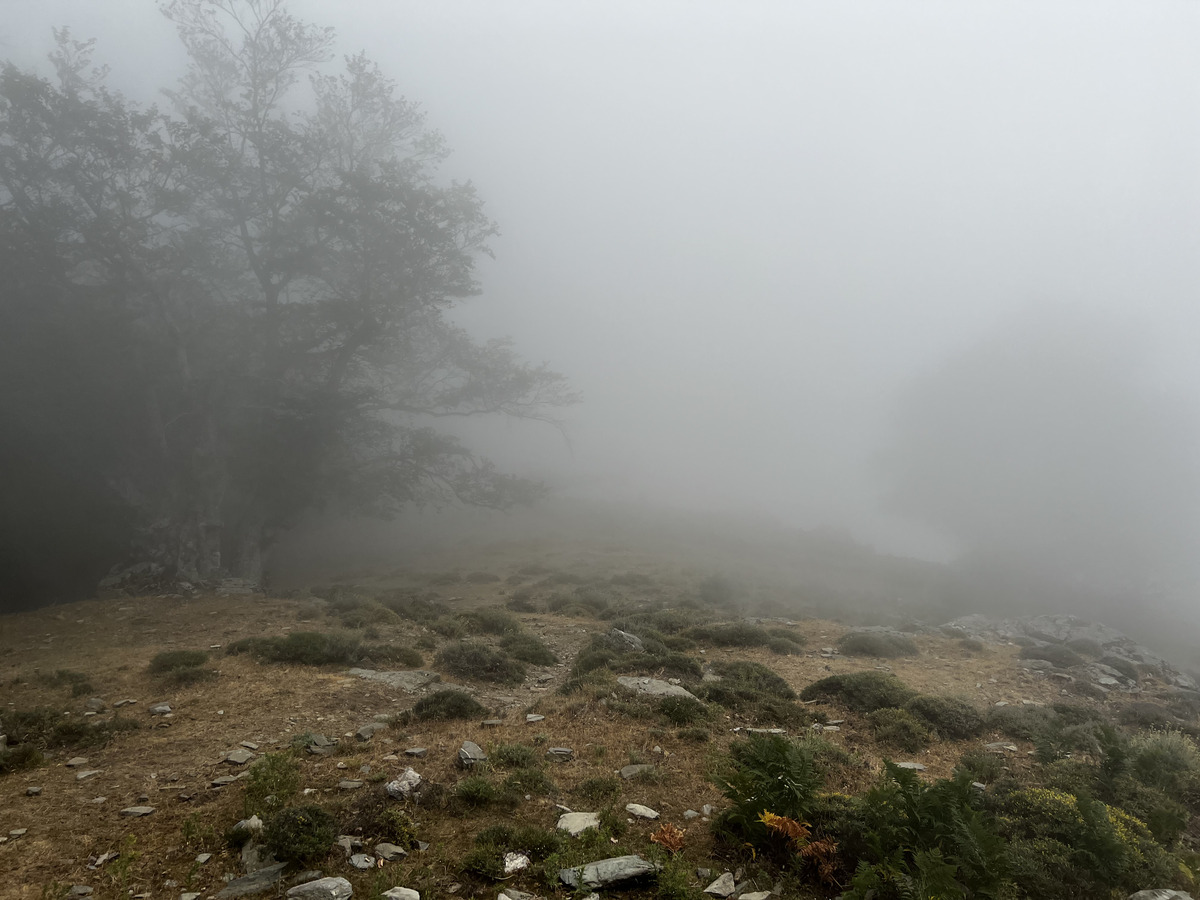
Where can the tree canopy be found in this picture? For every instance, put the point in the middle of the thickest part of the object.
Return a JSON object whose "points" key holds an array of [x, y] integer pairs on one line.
{"points": [[223, 313]]}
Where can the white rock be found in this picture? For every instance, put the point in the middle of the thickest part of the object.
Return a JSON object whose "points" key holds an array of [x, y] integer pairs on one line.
{"points": [[322, 889], [575, 823], [515, 862], [723, 886], [402, 893], [642, 812], [406, 785]]}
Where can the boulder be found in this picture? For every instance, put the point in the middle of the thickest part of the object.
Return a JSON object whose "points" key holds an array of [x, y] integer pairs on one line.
{"points": [[470, 754], [576, 823], [560, 754], [256, 883], [607, 871], [322, 889], [653, 687], [1161, 894], [390, 852], [406, 785], [369, 730]]}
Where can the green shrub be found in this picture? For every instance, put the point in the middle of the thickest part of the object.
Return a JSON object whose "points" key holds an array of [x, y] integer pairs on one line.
{"points": [[422, 610], [471, 660], [513, 756], [780, 647], [529, 780], [1025, 723], [682, 710], [971, 645], [952, 718], [1167, 760], [861, 691], [522, 602], [877, 644], [21, 756], [528, 648], [476, 791], [1145, 714], [733, 634], [598, 791], [49, 729], [899, 729], [694, 735], [485, 861], [445, 706], [766, 772], [787, 634], [305, 648], [174, 660], [494, 836], [492, 620], [980, 766], [394, 826], [77, 681], [273, 781], [300, 833], [1063, 657], [754, 676]]}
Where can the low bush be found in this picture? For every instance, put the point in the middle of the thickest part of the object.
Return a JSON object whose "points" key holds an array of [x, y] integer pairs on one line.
{"points": [[528, 648], [971, 645], [1057, 654], [980, 766], [476, 791], [780, 647], [396, 827], [861, 691], [470, 660], [315, 648], [899, 729], [754, 691], [446, 706], [300, 833], [422, 610], [683, 710], [694, 735], [22, 756], [530, 780], [732, 634], [78, 682], [1145, 714], [598, 791], [49, 729], [1025, 723], [272, 782], [952, 718], [876, 644], [1167, 760], [754, 676], [491, 620], [765, 773], [513, 756], [174, 660]]}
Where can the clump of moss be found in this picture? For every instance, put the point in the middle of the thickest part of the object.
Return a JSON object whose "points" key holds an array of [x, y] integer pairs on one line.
{"points": [[877, 644]]}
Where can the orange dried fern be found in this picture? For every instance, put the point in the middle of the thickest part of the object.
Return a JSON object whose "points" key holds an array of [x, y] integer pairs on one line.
{"points": [[796, 832], [669, 837]]}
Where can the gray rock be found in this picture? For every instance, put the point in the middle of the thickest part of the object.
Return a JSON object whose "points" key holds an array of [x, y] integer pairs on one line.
{"points": [[33, 791], [703, 873], [86, 774], [470, 754], [1000, 745], [606, 871], [515, 862], [911, 766], [239, 756], [251, 826], [134, 812], [642, 812], [491, 723], [76, 761], [560, 754], [576, 823], [95, 704], [322, 889], [256, 857], [690, 814], [223, 780], [406, 785], [362, 861], [249, 745], [755, 895], [256, 883], [125, 702], [349, 843], [630, 641], [418, 752], [707, 809], [410, 681], [514, 894], [1160, 894], [370, 730], [390, 851], [653, 687], [80, 890], [202, 858], [190, 895], [723, 886], [160, 709], [402, 893], [530, 718], [635, 770], [347, 784]]}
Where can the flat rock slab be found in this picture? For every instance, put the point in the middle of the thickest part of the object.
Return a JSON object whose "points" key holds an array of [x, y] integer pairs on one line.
{"points": [[560, 754], [755, 895], [418, 752], [635, 770], [390, 851], [86, 774], [239, 756], [911, 766], [470, 754], [322, 889], [492, 723], [402, 893], [722, 887], [654, 687], [134, 812], [576, 823], [1161, 894], [161, 709], [370, 730], [349, 785], [261, 881], [607, 871], [362, 861], [76, 761], [530, 718], [642, 812], [410, 681]]}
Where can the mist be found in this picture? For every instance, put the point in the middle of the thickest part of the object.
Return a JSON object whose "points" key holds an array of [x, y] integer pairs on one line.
{"points": [[922, 277]]}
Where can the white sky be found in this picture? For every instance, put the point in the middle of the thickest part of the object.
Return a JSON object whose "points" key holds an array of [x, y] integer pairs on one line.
{"points": [[740, 227]]}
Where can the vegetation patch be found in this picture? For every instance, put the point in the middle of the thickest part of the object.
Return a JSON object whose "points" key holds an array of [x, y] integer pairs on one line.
{"points": [[468, 659], [49, 729], [273, 782], [764, 773], [316, 648], [899, 729], [683, 711], [952, 718], [528, 648], [491, 620], [861, 691], [731, 634], [300, 833], [876, 644], [1061, 656], [444, 706]]}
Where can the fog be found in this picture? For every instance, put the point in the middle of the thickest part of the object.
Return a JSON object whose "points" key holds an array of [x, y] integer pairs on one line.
{"points": [[757, 237]]}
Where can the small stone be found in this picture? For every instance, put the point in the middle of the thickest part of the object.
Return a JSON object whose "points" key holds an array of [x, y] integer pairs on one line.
{"points": [[97, 800], [160, 709], [755, 895], [249, 745], [322, 889], [418, 752], [134, 812], [390, 851], [405, 786], [370, 730], [190, 895], [224, 780], [33, 791], [349, 843], [703, 873], [642, 812], [690, 814], [575, 823], [239, 757], [86, 774], [911, 766], [202, 858], [530, 718], [403, 893], [492, 723], [347, 784], [560, 754], [362, 861], [80, 890], [126, 702], [18, 832], [76, 761], [723, 886], [635, 770]]}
